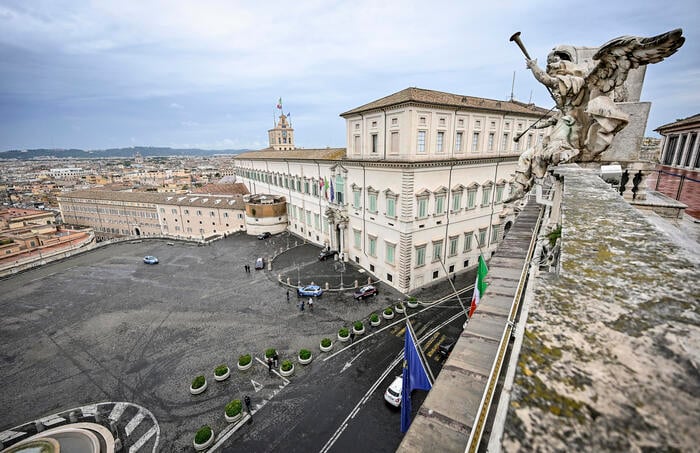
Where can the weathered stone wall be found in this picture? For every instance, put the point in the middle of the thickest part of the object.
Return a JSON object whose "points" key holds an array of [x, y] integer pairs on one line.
{"points": [[612, 343]]}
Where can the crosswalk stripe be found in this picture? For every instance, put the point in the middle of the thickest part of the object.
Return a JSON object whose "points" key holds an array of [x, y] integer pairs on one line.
{"points": [[117, 411], [140, 443], [435, 346], [133, 423], [423, 328]]}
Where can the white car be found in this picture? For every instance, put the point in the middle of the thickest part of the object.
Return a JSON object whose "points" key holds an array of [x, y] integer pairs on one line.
{"points": [[393, 393]]}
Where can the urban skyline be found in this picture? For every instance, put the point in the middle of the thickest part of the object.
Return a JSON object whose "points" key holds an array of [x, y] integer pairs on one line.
{"points": [[78, 75]]}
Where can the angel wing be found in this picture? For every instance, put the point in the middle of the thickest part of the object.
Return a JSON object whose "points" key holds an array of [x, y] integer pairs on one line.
{"points": [[618, 56]]}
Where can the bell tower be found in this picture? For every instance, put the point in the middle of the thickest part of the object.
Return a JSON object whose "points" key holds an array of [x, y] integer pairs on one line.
{"points": [[282, 135]]}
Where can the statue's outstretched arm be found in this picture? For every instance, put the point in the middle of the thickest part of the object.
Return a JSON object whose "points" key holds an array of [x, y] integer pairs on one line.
{"points": [[540, 74]]}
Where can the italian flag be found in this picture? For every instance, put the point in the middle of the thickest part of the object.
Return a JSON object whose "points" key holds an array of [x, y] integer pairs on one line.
{"points": [[479, 286]]}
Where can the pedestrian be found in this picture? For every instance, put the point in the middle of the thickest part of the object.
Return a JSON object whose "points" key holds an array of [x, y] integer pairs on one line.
{"points": [[352, 336], [287, 296], [302, 305], [276, 358], [269, 365], [247, 404], [311, 304]]}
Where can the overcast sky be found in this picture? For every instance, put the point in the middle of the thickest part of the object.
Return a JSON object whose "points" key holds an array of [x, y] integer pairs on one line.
{"points": [[208, 74]]}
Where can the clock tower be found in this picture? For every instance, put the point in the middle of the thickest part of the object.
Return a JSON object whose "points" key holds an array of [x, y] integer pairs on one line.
{"points": [[282, 136]]}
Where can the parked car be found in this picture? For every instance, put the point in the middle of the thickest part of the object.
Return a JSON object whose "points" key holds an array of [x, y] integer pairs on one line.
{"points": [[150, 259], [264, 235], [310, 291], [325, 254], [393, 393], [446, 347], [259, 263], [365, 291]]}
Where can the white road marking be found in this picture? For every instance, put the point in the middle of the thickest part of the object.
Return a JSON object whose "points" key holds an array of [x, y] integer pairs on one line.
{"points": [[89, 410], [145, 438], [349, 364], [286, 381], [9, 435], [117, 411], [133, 423], [256, 385]]}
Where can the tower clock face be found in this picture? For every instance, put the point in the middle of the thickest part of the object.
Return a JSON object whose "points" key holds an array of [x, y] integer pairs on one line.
{"points": [[284, 134]]}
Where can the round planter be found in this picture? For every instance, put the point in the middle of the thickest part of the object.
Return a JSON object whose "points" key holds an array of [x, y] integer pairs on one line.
{"points": [[223, 377], [205, 445], [287, 373], [385, 316], [375, 323], [305, 361], [412, 304], [327, 348], [358, 332], [199, 390], [233, 419], [343, 339], [398, 309], [244, 367]]}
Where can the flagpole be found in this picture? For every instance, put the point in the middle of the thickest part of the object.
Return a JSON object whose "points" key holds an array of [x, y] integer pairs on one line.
{"points": [[425, 364]]}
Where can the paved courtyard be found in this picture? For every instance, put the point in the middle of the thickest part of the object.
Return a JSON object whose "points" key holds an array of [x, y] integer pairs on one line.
{"points": [[104, 326]]}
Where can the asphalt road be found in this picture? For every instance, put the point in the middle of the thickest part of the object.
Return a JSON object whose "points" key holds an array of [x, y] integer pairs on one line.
{"points": [[103, 326]]}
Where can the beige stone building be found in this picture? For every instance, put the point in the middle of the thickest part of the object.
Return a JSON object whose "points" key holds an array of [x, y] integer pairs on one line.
{"points": [[136, 214], [265, 214]]}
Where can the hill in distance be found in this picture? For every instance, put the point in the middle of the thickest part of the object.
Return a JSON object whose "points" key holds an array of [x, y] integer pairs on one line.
{"points": [[145, 151]]}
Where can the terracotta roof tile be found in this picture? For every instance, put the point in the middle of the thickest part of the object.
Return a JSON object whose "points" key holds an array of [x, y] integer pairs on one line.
{"points": [[680, 123], [439, 98], [318, 154], [205, 200]]}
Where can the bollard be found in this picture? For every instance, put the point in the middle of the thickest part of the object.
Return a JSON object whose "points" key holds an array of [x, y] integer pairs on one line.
{"points": [[117, 445], [356, 285], [369, 280], [289, 281], [39, 426], [269, 265], [73, 417], [327, 286]]}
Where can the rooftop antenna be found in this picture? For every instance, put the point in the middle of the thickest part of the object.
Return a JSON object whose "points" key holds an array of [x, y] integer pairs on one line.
{"points": [[512, 87], [530, 101]]}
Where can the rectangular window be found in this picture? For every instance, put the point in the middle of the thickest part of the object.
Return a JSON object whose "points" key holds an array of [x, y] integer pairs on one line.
{"points": [[516, 146], [422, 207], [325, 225], [390, 251], [504, 142], [317, 221], [454, 243], [468, 240], [490, 142], [439, 205], [372, 202], [356, 198], [357, 234], [437, 250], [456, 201], [495, 233], [421, 141], [372, 246], [499, 193], [471, 198], [391, 207], [308, 217], [440, 140], [475, 141], [420, 256], [375, 144], [486, 196], [306, 187], [314, 188], [356, 144], [458, 142], [173, 210], [529, 141], [482, 237], [394, 142]]}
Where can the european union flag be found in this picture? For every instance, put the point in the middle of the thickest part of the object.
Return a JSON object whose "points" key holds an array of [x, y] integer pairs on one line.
{"points": [[414, 377]]}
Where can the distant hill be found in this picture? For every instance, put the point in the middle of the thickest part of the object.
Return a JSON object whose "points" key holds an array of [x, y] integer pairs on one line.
{"points": [[146, 151]]}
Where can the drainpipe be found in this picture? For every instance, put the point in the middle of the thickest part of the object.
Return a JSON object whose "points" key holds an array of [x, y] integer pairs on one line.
{"points": [[447, 207]]}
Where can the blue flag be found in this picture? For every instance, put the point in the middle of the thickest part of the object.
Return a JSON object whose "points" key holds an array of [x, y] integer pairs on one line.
{"points": [[332, 192], [415, 377]]}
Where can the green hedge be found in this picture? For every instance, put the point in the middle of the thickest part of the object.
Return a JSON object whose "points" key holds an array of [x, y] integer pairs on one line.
{"points": [[220, 370], [304, 354], [374, 317], [326, 342], [244, 359], [286, 365], [270, 352], [198, 382], [388, 311], [203, 434], [344, 332], [358, 325], [234, 408]]}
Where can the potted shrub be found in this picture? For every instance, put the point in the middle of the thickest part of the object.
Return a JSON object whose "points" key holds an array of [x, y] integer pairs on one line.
{"points": [[374, 320], [388, 313], [204, 438], [326, 345], [222, 372], [305, 356], [412, 302], [358, 328], [399, 308], [244, 362], [343, 334], [270, 352], [233, 411], [199, 384], [287, 368]]}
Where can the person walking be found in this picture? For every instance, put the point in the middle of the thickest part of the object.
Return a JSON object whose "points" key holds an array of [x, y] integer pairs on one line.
{"points": [[247, 404], [302, 305], [311, 304], [269, 365], [276, 359], [352, 336], [287, 296]]}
